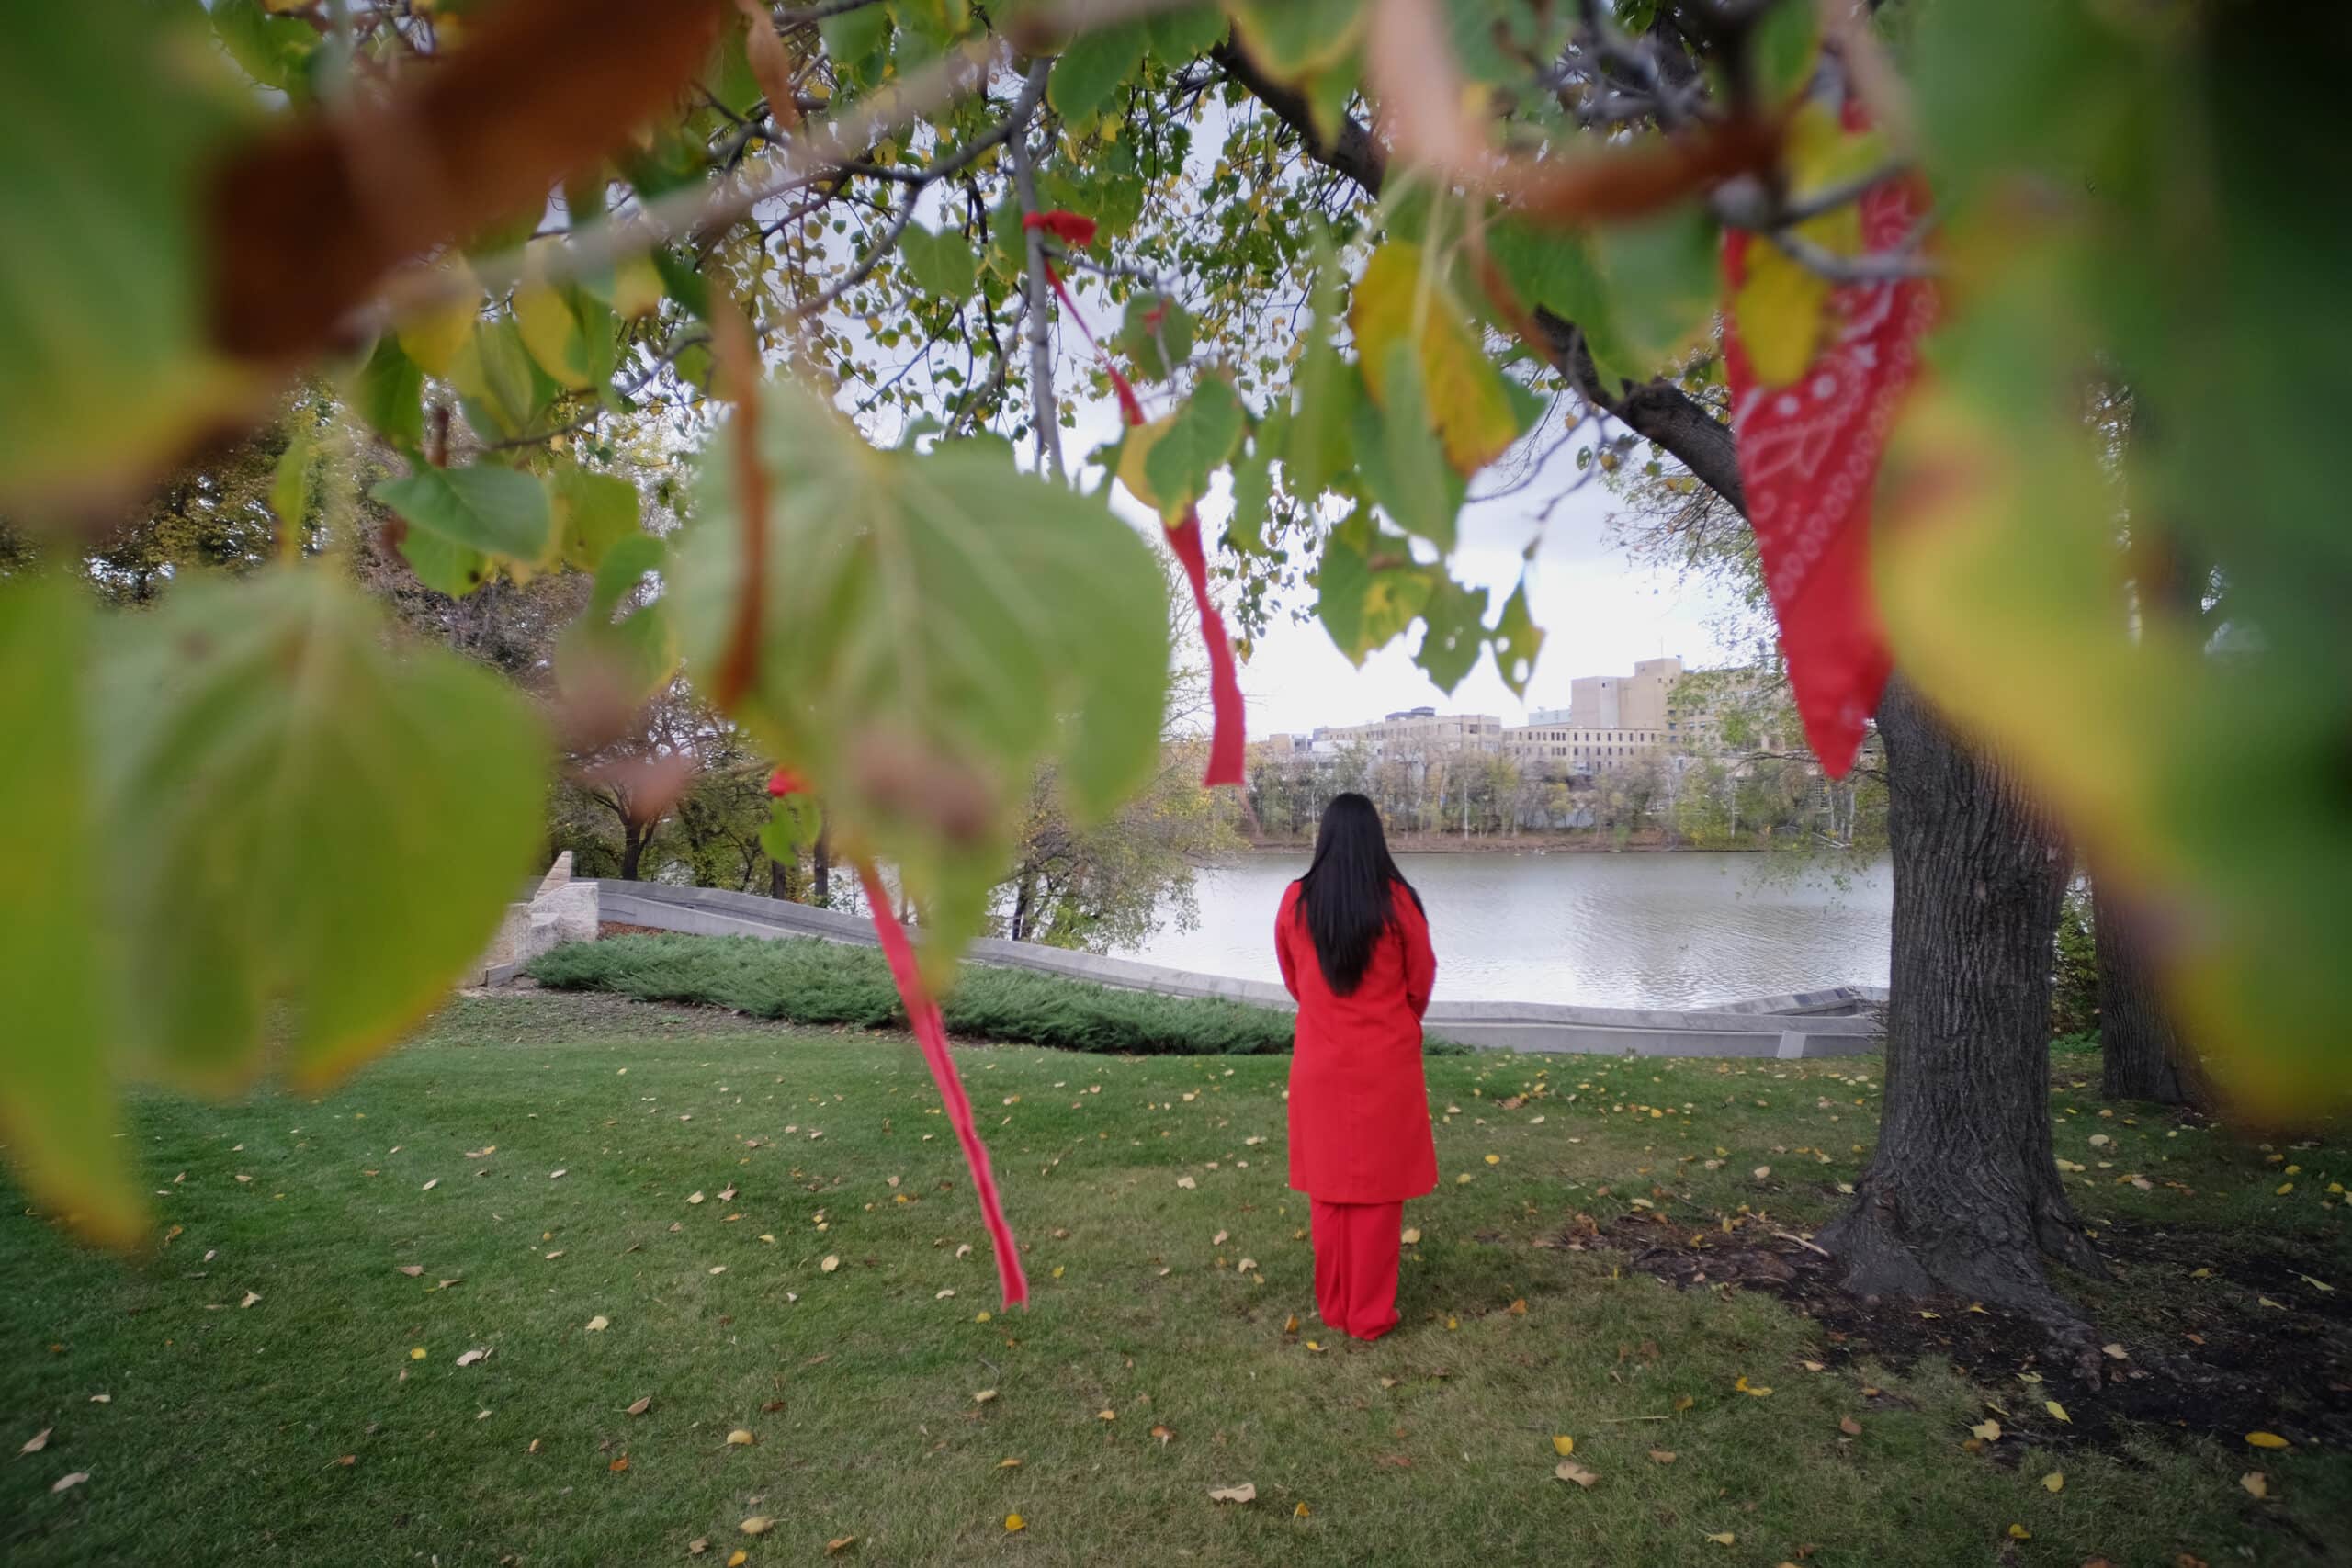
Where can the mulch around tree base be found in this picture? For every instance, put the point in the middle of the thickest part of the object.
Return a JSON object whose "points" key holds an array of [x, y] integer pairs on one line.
{"points": [[2217, 1362]]}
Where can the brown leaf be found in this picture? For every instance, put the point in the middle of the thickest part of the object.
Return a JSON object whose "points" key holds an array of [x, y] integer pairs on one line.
{"points": [[620, 1464], [1244, 1493], [727, 1194], [598, 1324], [2256, 1484], [470, 1357], [38, 1441], [642, 1406], [1848, 1426], [697, 1546], [347, 1461], [411, 1270], [307, 220], [840, 1544], [1662, 1456], [67, 1483], [1163, 1434], [1569, 1470], [772, 1406]]}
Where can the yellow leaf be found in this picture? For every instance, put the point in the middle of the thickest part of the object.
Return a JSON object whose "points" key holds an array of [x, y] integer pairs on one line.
{"points": [[1569, 1470], [1661, 1456], [1494, 1159], [758, 1524], [1683, 1402], [636, 287], [1782, 308], [829, 1264], [1290, 1325], [2054, 1482], [1564, 1446], [739, 1438], [434, 338], [1722, 1537], [2268, 1440], [1299, 1512], [1141, 439], [1395, 301], [1106, 1416], [1755, 1392], [417, 1354], [1244, 1493], [983, 1396], [1412, 1235], [598, 1324], [2256, 1484], [2019, 1532], [2058, 1410], [2285, 1187], [1008, 1464], [1014, 1522], [1989, 1429], [737, 1558]]}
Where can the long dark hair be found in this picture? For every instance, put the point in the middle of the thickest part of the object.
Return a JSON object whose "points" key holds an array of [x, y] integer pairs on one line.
{"points": [[1343, 899]]}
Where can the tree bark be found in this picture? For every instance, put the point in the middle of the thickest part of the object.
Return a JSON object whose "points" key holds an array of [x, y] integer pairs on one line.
{"points": [[820, 877], [634, 838], [1963, 1194], [2141, 1054]]}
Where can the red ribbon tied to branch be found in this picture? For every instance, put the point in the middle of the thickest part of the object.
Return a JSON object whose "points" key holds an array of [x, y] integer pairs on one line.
{"points": [[1808, 455], [1227, 736], [931, 1033], [786, 781]]}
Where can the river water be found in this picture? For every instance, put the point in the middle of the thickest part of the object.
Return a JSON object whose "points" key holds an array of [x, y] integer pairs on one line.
{"points": [[1638, 929]]}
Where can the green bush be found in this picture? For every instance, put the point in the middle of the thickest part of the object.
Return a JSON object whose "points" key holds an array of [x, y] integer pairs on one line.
{"points": [[806, 980]]}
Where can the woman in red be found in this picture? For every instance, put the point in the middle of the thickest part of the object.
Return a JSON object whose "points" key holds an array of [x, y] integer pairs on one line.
{"points": [[1355, 952]]}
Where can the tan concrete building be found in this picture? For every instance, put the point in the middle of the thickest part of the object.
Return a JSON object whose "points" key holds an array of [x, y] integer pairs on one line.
{"points": [[1580, 749], [1413, 732]]}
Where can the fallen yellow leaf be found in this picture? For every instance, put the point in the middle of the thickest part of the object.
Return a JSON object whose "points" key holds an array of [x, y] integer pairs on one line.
{"points": [[642, 1406], [1412, 1235], [1723, 1538], [2019, 1532], [1299, 1512], [840, 1544], [598, 1324], [737, 1558], [1569, 1470], [2255, 1482], [1564, 1446], [1661, 1456], [2054, 1482], [1989, 1429], [417, 1354], [1756, 1392], [1015, 1522], [739, 1438], [2268, 1440], [758, 1524], [2058, 1410]]}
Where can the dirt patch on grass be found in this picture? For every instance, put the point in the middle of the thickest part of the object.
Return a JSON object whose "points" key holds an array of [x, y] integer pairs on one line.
{"points": [[2253, 1343]]}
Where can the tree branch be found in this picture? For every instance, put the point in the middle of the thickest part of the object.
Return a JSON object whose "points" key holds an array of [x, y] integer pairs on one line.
{"points": [[1043, 412], [1658, 410]]}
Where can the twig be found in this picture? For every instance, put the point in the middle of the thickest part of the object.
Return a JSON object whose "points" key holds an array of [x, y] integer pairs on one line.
{"points": [[1800, 1241], [1879, 266]]}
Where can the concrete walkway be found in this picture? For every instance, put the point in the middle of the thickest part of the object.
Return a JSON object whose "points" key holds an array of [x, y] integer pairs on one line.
{"points": [[1835, 1022]]}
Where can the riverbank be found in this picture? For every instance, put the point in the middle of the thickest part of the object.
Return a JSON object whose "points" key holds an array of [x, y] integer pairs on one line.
{"points": [[1649, 843]]}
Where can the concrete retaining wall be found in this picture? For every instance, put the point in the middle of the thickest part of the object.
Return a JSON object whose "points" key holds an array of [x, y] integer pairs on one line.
{"points": [[1814, 1023]]}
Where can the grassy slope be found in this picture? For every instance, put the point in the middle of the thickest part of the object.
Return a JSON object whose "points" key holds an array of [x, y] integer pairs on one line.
{"points": [[221, 1441]]}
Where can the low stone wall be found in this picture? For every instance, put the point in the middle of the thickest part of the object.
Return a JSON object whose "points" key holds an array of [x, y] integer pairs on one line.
{"points": [[559, 911], [1815, 1023]]}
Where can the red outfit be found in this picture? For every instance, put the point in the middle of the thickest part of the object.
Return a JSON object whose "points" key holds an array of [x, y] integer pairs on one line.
{"points": [[1359, 1141]]}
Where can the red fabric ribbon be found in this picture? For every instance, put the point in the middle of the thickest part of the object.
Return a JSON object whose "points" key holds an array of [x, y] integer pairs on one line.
{"points": [[1228, 739], [786, 781], [931, 1033], [1808, 455]]}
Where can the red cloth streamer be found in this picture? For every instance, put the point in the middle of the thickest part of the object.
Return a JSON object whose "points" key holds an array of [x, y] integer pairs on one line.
{"points": [[1808, 455], [1069, 228], [930, 1033], [1227, 734], [786, 781]]}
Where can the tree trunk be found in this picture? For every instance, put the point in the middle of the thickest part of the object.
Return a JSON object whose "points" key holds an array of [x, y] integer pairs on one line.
{"points": [[783, 879], [822, 878], [634, 838], [2140, 1051], [1961, 1194]]}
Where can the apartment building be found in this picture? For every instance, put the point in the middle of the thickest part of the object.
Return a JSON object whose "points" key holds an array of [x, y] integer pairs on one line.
{"points": [[1411, 732]]}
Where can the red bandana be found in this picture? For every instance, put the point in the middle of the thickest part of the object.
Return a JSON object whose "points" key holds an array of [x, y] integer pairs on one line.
{"points": [[1808, 455]]}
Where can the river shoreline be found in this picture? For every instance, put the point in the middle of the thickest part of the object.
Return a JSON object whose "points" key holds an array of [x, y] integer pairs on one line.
{"points": [[1503, 844]]}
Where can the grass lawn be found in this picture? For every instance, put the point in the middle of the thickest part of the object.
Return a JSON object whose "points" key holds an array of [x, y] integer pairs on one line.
{"points": [[774, 1228]]}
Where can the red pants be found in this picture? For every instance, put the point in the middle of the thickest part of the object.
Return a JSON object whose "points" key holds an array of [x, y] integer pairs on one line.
{"points": [[1355, 1264]]}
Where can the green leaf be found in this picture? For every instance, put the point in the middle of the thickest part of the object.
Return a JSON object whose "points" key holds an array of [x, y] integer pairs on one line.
{"points": [[57, 1105], [1664, 282], [1318, 451], [1185, 33], [858, 42], [114, 112], [1152, 320], [389, 392], [273, 50], [1091, 69], [494, 371], [289, 486], [1198, 444], [1556, 269], [1454, 632], [1368, 588], [1400, 302], [1784, 48], [1401, 461], [559, 323], [341, 824], [592, 512], [498, 512], [939, 264], [1290, 39], [1253, 488], [1517, 640], [933, 626], [794, 822]]}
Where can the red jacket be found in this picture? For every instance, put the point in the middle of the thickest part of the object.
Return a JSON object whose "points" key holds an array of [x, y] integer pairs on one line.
{"points": [[1359, 1107]]}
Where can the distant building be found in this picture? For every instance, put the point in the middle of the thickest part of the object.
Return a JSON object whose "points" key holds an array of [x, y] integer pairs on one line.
{"points": [[1412, 732]]}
